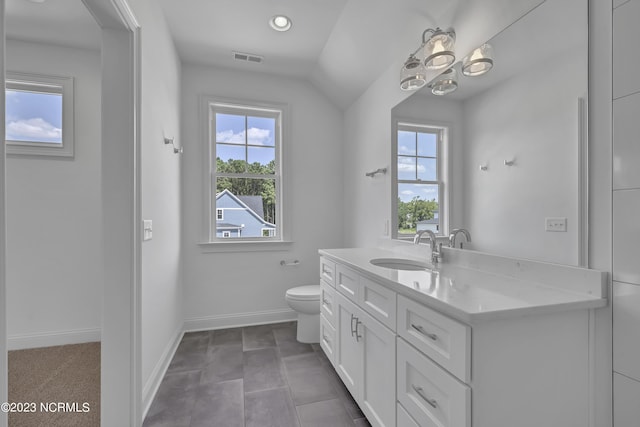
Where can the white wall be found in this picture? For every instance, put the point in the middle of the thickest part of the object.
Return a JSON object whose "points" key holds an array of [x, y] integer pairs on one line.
{"points": [[162, 293], [532, 117], [226, 286], [54, 255]]}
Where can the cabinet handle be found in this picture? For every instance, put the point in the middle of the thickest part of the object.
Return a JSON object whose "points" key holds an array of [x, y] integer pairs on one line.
{"points": [[432, 402], [358, 336], [326, 302], [353, 330], [326, 339], [327, 272], [423, 332]]}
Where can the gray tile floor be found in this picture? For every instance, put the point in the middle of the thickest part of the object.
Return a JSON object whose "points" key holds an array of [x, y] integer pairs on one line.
{"points": [[257, 376]]}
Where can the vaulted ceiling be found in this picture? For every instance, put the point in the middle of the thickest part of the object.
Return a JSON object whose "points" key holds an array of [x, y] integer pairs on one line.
{"points": [[340, 46]]}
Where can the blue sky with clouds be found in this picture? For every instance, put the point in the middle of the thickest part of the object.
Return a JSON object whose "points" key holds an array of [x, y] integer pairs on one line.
{"points": [[417, 160], [33, 116], [233, 136]]}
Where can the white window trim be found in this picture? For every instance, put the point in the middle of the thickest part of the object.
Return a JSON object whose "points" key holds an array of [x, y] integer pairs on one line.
{"points": [[444, 166], [42, 83], [208, 241], [226, 234]]}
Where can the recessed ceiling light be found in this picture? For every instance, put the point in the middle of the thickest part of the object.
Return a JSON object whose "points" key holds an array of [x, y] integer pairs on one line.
{"points": [[280, 23]]}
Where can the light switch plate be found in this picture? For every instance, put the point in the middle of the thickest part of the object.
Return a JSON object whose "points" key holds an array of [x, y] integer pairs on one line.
{"points": [[147, 229]]}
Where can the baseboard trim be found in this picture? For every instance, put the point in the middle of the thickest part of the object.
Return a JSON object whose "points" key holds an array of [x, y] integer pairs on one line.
{"points": [[238, 320], [50, 339], [155, 379]]}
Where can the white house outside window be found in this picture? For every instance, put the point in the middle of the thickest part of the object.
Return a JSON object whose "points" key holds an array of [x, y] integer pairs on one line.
{"points": [[245, 150]]}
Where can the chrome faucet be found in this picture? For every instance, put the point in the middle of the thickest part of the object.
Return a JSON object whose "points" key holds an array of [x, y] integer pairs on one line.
{"points": [[454, 234], [435, 252]]}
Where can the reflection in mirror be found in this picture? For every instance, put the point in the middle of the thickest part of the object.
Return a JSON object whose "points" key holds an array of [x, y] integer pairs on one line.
{"points": [[514, 144]]}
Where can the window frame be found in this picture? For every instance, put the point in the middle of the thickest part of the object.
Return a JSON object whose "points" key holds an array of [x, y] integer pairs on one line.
{"points": [[209, 106], [443, 171], [219, 214], [45, 84]]}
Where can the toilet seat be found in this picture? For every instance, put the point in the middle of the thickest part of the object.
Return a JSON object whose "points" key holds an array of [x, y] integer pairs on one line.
{"points": [[304, 293]]}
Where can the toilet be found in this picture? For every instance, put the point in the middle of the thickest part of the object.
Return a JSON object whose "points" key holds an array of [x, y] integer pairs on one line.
{"points": [[305, 300]]}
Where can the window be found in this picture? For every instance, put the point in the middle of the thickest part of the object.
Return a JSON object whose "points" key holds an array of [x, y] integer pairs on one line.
{"points": [[39, 115], [245, 171], [420, 199]]}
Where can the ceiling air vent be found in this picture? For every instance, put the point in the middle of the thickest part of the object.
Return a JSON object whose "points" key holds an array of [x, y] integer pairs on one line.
{"points": [[248, 57]]}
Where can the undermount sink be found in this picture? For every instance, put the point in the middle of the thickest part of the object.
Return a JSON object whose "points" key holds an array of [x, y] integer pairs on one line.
{"points": [[400, 264]]}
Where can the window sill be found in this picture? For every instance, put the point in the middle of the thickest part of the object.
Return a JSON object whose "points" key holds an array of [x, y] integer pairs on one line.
{"points": [[212, 247]]}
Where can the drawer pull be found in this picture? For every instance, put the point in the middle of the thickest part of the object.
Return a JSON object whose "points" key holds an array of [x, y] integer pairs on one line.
{"points": [[326, 339], [358, 336], [420, 393], [326, 302], [423, 332], [353, 330]]}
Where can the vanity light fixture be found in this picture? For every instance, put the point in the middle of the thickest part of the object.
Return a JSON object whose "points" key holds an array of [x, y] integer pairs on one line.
{"points": [[438, 49], [434, 53], [280, 23], [479, 61], [413, 74], [445, 83]]}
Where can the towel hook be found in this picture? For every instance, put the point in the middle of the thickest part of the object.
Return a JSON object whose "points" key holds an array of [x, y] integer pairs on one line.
{"points": [[176, 150]]}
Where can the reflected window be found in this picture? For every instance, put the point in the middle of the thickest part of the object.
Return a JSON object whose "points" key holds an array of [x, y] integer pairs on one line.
{"points": [[418, 180]]}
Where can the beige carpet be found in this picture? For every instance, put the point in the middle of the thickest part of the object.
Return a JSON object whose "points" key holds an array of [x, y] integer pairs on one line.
{"points": [[68, 374]]}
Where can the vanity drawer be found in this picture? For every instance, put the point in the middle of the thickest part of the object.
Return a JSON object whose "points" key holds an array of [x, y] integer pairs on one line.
{"points": [[432, 396], [328, 271], [347, 282], [327, 338], [327, 302], [444, 340], [378, 301], [404, 419]]}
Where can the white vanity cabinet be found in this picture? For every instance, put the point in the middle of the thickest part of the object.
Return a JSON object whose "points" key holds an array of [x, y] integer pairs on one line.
{"points": [[409, 364], [364, 359]]}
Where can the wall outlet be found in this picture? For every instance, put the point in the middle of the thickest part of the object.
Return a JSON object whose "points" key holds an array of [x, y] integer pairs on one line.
{"points": [[555, 224]]}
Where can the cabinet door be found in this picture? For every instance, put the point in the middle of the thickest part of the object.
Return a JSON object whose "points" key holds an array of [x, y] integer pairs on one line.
{"points": [[377, 392], [348, 351]]}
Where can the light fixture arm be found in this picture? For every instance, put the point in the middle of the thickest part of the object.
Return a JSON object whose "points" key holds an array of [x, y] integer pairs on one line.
{"points": [[424, 34]]}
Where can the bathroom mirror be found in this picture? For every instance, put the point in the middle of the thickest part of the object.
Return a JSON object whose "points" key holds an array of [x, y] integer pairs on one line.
{"points": [[515, 148]]}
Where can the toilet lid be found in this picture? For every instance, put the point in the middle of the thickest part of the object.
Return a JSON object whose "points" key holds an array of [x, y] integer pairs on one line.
{"points": [[304, 293]]}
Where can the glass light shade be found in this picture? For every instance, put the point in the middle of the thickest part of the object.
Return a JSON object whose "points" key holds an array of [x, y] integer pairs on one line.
{"points": [[479, 61], [445, 83], [413, 74], [438, 50]]}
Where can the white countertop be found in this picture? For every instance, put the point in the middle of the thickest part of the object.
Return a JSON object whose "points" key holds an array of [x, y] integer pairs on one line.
{"points": [[469, 295]]}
